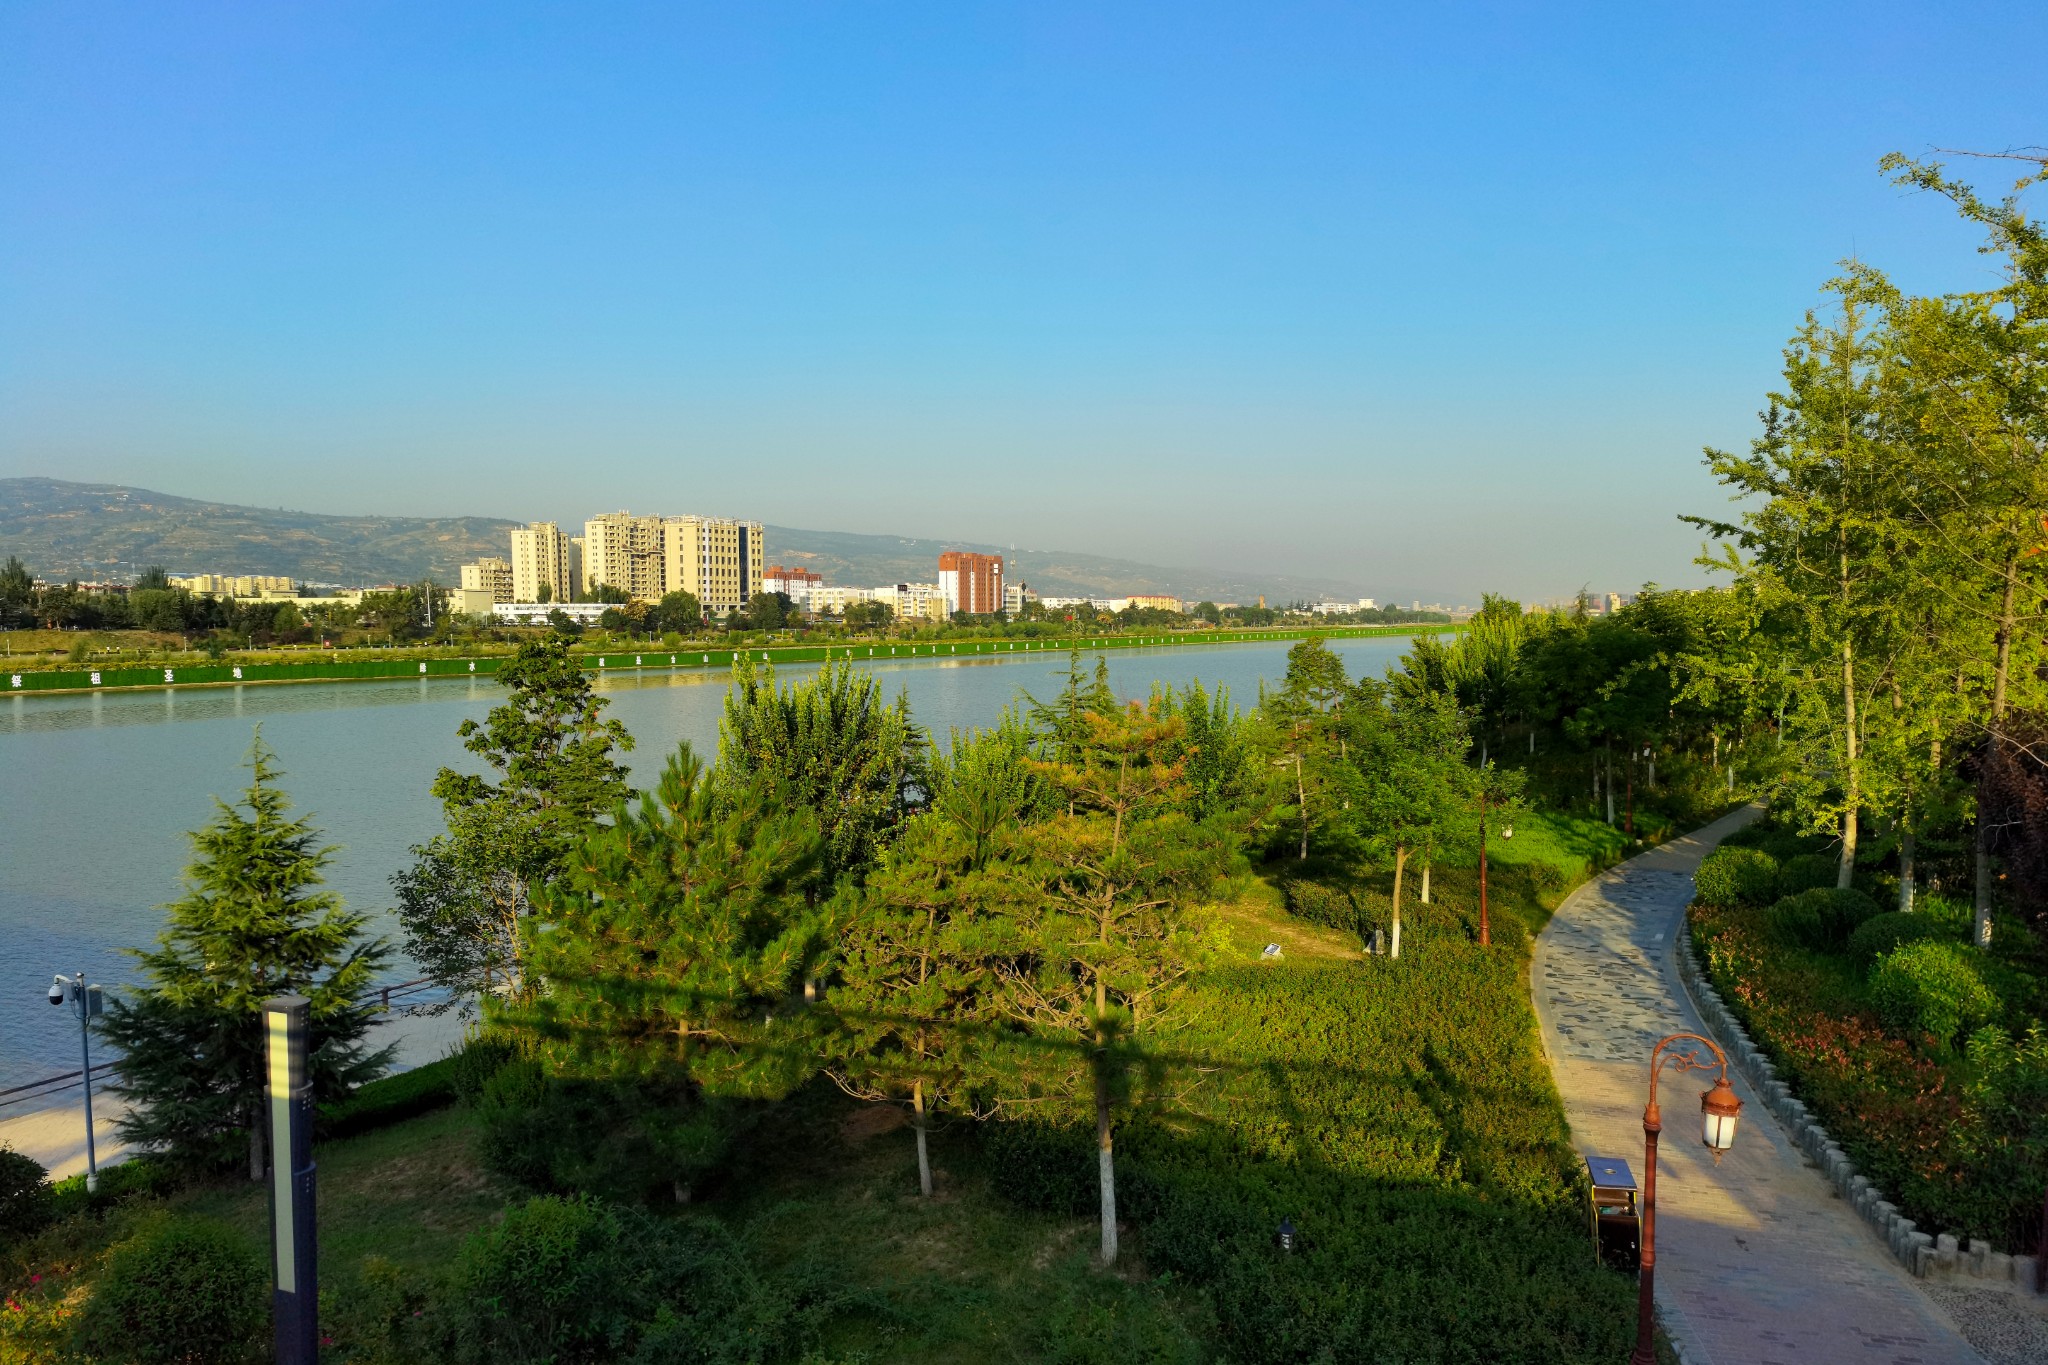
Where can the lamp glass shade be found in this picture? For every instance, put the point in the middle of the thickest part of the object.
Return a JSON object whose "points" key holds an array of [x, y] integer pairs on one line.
{"points": [[1719, 1111]]}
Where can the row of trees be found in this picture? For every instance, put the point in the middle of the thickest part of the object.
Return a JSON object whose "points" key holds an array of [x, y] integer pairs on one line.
{"points": [[1002, 925], [1889, 553]]}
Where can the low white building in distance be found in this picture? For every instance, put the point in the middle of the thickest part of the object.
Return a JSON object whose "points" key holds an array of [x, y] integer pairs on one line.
{"points": [[1344, 608], [536, 613]]}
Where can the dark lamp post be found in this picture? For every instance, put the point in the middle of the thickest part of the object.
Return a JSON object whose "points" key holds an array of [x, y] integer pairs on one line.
{"points": [[1719, 1109], [1286, 1234]]}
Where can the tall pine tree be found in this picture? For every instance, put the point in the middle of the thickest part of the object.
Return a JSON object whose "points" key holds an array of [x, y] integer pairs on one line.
{"points": [[252, 925]]}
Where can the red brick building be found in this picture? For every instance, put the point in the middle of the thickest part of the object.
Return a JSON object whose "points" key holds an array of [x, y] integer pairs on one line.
{"points": [[972, 583]]}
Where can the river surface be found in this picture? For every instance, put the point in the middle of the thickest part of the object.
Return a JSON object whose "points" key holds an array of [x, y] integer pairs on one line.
{"points": [[98, 791]]}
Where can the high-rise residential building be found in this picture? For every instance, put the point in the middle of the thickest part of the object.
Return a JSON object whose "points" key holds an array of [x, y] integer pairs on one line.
{"points": [[1015, 595], [541, 554], [972, 583], [626, 552], [718, 559], [489, 574]]}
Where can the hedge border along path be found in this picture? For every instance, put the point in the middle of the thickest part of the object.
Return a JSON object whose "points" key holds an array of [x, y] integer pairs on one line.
{"points": [[333, 668], [1758, 1261], [1924, 1254]]}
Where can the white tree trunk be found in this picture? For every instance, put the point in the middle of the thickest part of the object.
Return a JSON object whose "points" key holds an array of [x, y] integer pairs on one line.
{"points": [[1424, 898], [924, 1162]]}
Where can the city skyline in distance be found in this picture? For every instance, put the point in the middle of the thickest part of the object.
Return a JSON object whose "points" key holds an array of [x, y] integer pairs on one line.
{"points": [[1435, 304]]}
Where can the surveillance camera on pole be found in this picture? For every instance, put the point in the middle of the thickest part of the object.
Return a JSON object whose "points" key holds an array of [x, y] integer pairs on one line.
{"points": [[86, 1001]]}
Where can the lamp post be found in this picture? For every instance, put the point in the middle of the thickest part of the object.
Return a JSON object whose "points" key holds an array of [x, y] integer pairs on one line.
{"points": [[1719, 1109], [85, 1003]]}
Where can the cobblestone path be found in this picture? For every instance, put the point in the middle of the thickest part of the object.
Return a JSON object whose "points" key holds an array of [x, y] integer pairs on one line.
{"points": [[1759, 1262]]}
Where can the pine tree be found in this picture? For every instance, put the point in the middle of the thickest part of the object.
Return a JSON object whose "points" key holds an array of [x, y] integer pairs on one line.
{"points": [[463, 899], [831, 746], [1101, 922], [250, 926], [913, 995], [674, 948]]}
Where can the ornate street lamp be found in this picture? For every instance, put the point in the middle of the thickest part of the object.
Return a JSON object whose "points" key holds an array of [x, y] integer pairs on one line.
{"points": [[1719, 1110]]}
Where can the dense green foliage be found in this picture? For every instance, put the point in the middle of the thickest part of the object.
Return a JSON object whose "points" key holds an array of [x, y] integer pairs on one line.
{"points": [[250, 926], [1821, 918], [1736, 876], [26, 1205], [1881, 934], [179, 1291], [1930, 989], [467, 893]]}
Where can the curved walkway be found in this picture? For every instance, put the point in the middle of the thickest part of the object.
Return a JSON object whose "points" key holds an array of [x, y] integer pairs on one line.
{"points": [[1759, 1262]]}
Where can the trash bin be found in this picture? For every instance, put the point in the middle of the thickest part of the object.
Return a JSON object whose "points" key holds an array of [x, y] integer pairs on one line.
{"points": [[1617, 1214]]}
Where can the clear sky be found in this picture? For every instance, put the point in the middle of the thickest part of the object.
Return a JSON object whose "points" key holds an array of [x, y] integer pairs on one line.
{"points": [[1430, 297]]}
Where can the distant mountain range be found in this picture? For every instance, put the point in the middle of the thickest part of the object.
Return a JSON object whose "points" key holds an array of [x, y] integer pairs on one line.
{"points": [[109, 532]]}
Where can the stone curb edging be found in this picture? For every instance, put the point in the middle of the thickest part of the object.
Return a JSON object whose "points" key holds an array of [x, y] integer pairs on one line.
{"points": [[1923, 1254]]}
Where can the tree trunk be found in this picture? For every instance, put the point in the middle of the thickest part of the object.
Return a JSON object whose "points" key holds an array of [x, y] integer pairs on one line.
{"points": [[924, 1161], [1980, 929], [1301, 798], [1424, 897], [1906, 865], [1607, 755], [1400, 865], [1852, 784], [1105, 1162], [256, 1142], [1651, 783]]}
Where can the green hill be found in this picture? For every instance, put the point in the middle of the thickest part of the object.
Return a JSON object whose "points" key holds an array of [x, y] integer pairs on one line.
{"points": [[110, 532]]}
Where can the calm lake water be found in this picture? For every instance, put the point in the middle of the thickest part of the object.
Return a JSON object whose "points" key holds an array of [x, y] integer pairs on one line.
{"points": [[97, 792]]}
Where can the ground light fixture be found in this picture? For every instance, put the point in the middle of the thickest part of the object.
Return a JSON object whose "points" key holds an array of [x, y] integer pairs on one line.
{"points": [[1720, 1107], [86, 1002]]}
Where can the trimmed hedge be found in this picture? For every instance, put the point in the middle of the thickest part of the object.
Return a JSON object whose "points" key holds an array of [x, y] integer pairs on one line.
{"points": [[1822, 918], [1887, 933], [1807, 872], [1736, 876], [391, 1099], [1398, 1113], [1933, 990]]}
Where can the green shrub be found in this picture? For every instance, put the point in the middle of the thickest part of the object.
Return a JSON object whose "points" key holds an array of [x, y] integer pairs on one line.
{"points": [[559, 1280], [1807, 872], [139, 1177], [390, 1099], [472, 1065], [1931, 989], [26, 1203], [1736, 876], [25, 1198], [566, 1280], [1331, 906], [1887, 933], [1822, 919], [181, 1290]]}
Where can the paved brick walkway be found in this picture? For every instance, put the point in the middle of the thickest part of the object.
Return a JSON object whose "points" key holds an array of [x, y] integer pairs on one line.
{"points": [[1759, 1262]]}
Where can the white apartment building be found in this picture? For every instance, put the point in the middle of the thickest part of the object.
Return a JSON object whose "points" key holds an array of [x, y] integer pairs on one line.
{"points": [[719, 559], [1344, 608], [237, 585], [1015, 595], [541, 553], [489, 575]]}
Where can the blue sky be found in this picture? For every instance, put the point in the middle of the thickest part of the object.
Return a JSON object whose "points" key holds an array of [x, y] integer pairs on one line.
{"points": [[1429, 298]]}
